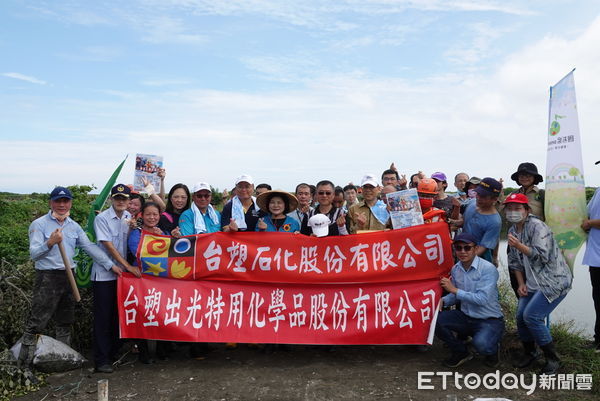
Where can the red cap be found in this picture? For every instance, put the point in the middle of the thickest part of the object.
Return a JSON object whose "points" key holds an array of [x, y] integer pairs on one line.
{"points": [[516, 198]]}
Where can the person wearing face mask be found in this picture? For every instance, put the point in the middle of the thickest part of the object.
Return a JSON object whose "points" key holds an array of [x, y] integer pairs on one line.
{"points": [[470, 187], [460, 182], [544, 280], [428, 191], [52, 297]]}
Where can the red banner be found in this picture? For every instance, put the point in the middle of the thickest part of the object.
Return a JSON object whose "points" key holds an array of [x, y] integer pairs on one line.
{"points": [[212, 311], [376, 288], [414, 253]]}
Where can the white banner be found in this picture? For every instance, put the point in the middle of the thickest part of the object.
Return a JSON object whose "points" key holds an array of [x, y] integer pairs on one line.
{"points": [[565, 205]]}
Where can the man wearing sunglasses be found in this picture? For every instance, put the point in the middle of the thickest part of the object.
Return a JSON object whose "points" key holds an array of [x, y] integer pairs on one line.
{"points": [[473, 288], [201, 217], [325, 192]]}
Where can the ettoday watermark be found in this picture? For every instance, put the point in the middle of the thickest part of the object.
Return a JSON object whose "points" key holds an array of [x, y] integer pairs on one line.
{"points": [[506, 381]]}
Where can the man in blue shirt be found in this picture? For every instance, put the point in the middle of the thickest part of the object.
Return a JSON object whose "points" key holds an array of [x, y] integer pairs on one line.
{"points": [[111, 227], [52, 294], [473, 288], [482, 220], [201, 217], [591, 257]]}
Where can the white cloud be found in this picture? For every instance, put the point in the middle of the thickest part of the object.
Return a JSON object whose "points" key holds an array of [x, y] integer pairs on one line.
{"points": [[336, 126], [23, 77], [477, 46]]}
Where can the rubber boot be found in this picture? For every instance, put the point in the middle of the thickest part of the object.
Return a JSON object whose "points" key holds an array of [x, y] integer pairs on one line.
{"points": [[28, 343], [26, 355], [530, 354], [63, 334], [552, 360]]}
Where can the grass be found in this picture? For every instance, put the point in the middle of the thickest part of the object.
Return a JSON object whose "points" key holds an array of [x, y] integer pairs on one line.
{"points": [[570, 342]]}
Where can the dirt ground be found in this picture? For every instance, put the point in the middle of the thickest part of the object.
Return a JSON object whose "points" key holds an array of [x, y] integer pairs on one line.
{"points": [[299, 373]]}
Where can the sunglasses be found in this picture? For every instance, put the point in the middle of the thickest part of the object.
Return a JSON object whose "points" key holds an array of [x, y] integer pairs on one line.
{"points": [[202, 195], [465, 248], [324, 193]]}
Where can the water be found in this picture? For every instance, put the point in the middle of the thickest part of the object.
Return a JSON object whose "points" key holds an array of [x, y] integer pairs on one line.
{"points": [[578, 305]]}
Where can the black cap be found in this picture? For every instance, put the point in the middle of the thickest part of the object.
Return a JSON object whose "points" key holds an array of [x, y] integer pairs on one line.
{"points": [[60, 192], [489, 186], [120, 190], [466, 238]]}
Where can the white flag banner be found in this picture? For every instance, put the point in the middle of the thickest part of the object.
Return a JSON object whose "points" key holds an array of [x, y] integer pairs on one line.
{"points": [[565, 205]]}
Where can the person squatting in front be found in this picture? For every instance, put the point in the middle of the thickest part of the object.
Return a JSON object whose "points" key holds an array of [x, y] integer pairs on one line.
{"points": [[473, 285]]}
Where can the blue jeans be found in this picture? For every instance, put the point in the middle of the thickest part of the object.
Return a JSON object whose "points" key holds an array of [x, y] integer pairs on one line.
{"points": [[531, 316], [486, 333]]}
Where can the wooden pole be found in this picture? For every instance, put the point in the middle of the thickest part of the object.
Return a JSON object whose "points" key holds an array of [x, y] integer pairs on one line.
{"points": [[70, 276], [103, 390]]}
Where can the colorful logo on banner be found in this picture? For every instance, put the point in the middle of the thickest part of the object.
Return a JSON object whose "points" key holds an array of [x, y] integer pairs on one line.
{"points": [[279, 257], [375, 288], [168, 257], [565, 205]]}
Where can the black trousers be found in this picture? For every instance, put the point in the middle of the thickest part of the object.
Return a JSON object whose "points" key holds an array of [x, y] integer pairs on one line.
{"points": [[106, 322], [52, 298], [595, 279]]}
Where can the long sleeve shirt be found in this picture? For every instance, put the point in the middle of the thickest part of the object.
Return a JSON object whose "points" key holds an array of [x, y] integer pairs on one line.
{"points": [[546, 264], [477, 289], [73, 236]]}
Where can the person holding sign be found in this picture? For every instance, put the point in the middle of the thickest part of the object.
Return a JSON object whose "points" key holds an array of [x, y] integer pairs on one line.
{"points": [[544, 280], [51, 292], [276, 205], [371, 214]]}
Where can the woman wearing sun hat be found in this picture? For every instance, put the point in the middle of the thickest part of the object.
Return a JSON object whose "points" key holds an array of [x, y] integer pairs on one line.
{"points": [[527, 177], [277, 204], [543, 276]]}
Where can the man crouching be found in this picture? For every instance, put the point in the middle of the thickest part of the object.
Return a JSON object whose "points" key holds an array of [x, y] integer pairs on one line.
{"points": [[473, 289]]}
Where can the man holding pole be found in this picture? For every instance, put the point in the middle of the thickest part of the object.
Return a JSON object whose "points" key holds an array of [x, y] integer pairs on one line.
{"points": [[52, 294]]}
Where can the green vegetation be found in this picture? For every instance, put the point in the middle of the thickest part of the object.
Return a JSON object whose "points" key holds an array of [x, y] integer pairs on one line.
{"points": [[571, 344], [17, 274]]}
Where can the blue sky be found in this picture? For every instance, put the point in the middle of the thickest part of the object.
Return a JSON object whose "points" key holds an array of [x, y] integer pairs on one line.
{"points": [[287, 91]]}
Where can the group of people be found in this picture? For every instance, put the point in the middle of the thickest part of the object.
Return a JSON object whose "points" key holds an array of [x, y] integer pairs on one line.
{"points": [[539, 273]]}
